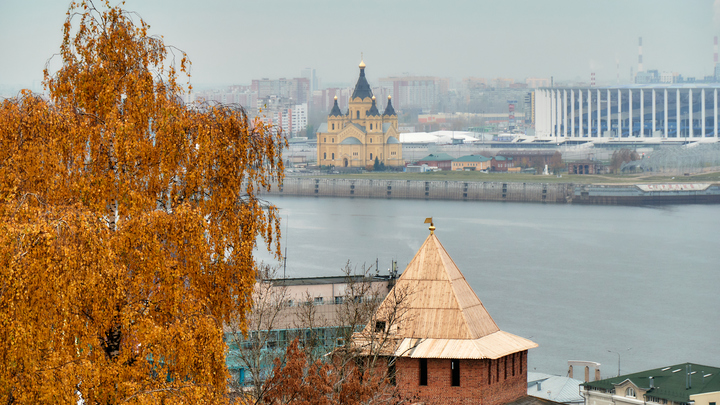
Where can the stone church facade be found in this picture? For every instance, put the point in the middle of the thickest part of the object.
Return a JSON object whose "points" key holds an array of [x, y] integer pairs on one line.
{"points": [[362, 134]]}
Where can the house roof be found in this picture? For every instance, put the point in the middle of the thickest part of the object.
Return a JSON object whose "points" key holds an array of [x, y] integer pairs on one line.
{"points": [[392, 140], [555, 388], [441, 315], [668, 382], [436, 157], [530, 400], [472, 158]]}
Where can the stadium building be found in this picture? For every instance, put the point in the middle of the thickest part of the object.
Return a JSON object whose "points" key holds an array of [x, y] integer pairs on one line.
{"points": [[661, 111]]}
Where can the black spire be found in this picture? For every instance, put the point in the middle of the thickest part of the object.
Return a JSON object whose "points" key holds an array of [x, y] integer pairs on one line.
{"points": [[373, 109], [389, 110], [362, 88], [335, 112]]}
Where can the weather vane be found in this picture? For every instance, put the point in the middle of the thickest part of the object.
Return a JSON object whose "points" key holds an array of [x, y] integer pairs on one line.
{"points": [[432, 226]]}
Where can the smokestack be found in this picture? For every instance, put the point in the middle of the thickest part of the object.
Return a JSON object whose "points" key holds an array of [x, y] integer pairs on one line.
{"points": [[640, 63], [715, 54], [592, 79], [618, 71]]}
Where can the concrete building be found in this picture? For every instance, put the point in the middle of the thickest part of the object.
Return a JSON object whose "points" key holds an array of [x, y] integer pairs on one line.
{"points": [[415, 92], [536, 82], [445, 345], [278, 322], [680, 384], [361, 135], [688, 111], [292, 119]]}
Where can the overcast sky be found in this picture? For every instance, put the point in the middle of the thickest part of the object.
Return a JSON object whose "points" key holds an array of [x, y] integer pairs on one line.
{"points": [[233, 42]]}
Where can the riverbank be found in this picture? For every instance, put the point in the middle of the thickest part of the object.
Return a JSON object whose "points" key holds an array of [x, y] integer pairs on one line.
{"points": [[647, 193], [476, 176]]}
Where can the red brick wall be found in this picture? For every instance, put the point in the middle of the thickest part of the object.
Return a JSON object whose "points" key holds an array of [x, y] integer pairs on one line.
{"points": [[486, 382]]}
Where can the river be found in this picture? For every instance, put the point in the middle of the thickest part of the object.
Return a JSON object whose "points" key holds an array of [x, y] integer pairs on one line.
{"points": [[584, 282]]}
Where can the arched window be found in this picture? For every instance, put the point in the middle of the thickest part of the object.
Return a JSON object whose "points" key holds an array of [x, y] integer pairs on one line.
{"points": [[324, 139], [325, 155], [370, 140], [371, 127], [371, 156], [333, 156], [333, 126], [332, 140], [357, 114], [630, 392]]}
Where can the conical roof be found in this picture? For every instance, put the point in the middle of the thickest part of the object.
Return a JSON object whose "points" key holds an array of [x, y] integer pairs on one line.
{"points": [[335, 112], [441, 304], [389, 110], [362, 87], [440, 316], [373, 111]]}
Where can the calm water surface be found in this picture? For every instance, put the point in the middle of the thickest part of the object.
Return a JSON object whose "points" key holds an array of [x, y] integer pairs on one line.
{"points": [[579, 280]]}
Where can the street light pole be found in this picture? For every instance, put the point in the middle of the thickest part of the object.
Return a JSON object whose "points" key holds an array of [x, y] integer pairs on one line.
{"points": [[610, 351], [618, 353]]}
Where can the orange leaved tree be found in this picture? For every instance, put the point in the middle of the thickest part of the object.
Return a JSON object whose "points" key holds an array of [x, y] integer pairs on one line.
{"points": [[128, 222]]}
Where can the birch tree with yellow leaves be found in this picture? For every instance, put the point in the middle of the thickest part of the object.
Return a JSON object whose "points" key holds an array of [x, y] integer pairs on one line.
{"points": [[128, 222]]}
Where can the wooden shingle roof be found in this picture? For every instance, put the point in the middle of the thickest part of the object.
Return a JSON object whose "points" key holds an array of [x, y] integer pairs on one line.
{"points": [[441, 316]]}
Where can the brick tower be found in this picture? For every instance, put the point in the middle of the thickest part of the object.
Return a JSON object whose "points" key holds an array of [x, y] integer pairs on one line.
{"points": [[445, 346]]}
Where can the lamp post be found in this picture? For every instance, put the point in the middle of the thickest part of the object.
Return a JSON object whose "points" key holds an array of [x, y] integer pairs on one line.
{"points": [[610, 351], [618, 354]]}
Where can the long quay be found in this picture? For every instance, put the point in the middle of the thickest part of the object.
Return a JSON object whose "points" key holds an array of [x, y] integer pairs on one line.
{"points": [[558, 193]]}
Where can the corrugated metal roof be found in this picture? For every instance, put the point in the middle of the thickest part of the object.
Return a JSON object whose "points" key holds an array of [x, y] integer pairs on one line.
{"points": [[556, 388], [472, 158], [436, 157], [668, 382]]}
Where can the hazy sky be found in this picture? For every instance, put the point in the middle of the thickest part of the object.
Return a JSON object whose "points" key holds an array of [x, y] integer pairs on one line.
{"points": [[233, 42]]}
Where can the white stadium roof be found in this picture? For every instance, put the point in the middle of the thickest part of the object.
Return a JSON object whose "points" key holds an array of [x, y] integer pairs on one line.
{"points": [[441, 137]]}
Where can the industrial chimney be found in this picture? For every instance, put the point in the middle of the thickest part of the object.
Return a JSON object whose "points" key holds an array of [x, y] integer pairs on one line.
{"points": [[640, 62]]}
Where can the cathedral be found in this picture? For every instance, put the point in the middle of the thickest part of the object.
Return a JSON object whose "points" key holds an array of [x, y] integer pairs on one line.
{"points": [[362, 134]]}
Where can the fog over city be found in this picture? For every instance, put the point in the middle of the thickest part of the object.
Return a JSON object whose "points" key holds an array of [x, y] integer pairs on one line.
{"points": [[234, 42]]}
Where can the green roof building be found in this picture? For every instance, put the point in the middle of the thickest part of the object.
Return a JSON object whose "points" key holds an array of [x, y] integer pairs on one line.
{"points": [[471, 162], [681, 384], [443, 161]]}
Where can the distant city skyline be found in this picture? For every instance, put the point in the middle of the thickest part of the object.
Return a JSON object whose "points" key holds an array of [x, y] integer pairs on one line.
{"points": [[235, 42]]}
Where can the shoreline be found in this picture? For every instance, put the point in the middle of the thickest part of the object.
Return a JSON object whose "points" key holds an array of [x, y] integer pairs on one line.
{"points": [[534, 192]]}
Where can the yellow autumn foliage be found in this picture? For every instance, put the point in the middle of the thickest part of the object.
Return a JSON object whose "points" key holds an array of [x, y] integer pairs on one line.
{"points": [[128, 222]]}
